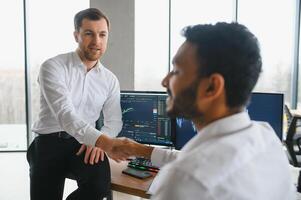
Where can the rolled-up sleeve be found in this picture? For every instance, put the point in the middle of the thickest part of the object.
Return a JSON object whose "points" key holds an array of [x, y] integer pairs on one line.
{"points": [[161, 156], [112, 111]]}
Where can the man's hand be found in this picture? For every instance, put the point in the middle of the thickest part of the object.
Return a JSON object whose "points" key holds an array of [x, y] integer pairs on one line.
{"points": [[121, 148], [92, 154]]}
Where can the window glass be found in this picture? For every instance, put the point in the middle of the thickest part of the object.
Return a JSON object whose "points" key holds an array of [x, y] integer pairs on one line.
{"points": [[50, 33], [299, 75], [151, 43], [191, 12], [12, 83], [272, 22]]}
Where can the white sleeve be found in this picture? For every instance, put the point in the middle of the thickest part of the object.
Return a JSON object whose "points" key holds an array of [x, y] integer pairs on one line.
{"points": [[112, 111], [54, 89], [177, 185], [161, 157]]}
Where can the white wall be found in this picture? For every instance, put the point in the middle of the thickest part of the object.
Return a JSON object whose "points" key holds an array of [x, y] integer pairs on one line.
{"points": [[119, 57]]}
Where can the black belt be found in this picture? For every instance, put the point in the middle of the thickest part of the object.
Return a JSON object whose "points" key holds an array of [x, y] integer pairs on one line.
{"points": [[60, 134]]}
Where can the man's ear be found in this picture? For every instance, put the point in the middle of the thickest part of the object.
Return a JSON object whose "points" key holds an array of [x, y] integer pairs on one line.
{"points": [[75, 34], [210, 89], [215, 85]]}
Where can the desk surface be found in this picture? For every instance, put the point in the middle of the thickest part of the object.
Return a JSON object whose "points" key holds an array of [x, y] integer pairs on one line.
{"points": [[128, 184]]}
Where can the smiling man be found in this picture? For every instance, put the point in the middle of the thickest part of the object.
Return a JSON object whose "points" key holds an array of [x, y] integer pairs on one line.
{"points": [[75, 87], [231, 157]]}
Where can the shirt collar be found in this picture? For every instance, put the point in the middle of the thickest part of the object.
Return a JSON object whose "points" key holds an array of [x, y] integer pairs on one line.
{"points": [[225, 126], [78, 62], [98, 66]]}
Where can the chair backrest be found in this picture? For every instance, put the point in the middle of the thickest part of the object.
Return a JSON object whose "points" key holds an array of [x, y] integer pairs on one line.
{"points": [[288, 114], [290, 140]]}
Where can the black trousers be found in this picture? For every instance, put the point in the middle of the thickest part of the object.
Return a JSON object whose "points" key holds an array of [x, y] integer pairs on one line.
{"points": [[52, 159]]}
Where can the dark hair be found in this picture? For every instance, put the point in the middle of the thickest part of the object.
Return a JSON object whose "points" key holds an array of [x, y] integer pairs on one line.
{"points": [[91, 14], [231, 50]]}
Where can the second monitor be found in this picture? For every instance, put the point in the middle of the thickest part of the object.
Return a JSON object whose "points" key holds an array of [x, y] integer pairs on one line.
{"points": [[262, 107]]}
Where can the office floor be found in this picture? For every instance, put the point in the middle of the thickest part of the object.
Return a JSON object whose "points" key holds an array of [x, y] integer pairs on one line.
{"points": [[14, 180]]}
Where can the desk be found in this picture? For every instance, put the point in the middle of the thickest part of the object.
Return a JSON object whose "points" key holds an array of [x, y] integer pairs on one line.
{"points": [[127, 184]]}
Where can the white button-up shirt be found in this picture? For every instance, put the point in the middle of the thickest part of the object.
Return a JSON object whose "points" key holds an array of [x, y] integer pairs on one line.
{"points": [[72, 99], [231, 158]]}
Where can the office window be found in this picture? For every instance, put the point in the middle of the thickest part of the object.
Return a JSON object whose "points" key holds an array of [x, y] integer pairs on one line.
{"points": [[191, 12], [12, 90], [151, 43], [299, 75], [273, 24], [50, 33]]}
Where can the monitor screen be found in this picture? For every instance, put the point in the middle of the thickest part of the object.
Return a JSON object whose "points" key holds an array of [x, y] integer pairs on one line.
{"points": [[144, 117], [268, 107], [185, 130], [262, 107]]}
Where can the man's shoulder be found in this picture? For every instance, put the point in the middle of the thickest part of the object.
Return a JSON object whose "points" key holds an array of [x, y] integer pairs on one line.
{"points": [[212, 161], [59, 59]]}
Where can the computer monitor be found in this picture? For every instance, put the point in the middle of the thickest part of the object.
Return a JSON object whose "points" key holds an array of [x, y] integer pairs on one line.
{"points": [[184, 131], [144, 117], [262, 107], [268, 107]]}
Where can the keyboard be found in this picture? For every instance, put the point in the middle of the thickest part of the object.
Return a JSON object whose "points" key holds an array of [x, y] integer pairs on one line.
{"points": [[143, 164]]}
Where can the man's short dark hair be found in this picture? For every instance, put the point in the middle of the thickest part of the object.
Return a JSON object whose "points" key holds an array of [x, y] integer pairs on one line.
{"points": [[231, 50], [91, 14]]}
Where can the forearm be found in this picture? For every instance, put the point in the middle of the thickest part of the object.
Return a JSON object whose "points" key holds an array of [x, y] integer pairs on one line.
{"points": [[104, 142], [123, 147]]}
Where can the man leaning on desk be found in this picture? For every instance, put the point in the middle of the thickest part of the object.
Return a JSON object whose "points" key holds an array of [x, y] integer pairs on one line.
{"points": [[75, 88], [231, 157]]}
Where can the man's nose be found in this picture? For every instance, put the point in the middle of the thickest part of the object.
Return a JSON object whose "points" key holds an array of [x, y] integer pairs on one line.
{"points": [[165, 81], [96, 39]]}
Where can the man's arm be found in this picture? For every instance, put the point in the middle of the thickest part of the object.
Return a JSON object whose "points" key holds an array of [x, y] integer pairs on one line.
{"points": [[54, 90], [112, 110], [122, 148], [177, 185]]}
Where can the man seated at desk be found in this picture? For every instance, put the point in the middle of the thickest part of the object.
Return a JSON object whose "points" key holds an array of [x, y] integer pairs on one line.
{"points": [[231, 157]]}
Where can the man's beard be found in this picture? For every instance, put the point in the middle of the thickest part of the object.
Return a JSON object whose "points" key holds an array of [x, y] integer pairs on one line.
{"points": [[184, 105], [92, 57]]}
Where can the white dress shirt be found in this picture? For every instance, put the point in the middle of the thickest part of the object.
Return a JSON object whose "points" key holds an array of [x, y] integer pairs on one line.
{"points": [[72, 99], [232, 158]]}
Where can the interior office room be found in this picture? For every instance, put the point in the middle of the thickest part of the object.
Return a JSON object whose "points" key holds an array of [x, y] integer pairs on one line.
{"points": [[144, 36]]}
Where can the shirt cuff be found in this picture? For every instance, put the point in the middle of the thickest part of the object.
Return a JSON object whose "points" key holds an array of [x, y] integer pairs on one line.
{"points": [[158, 156], [91, 137], [108, 131]]}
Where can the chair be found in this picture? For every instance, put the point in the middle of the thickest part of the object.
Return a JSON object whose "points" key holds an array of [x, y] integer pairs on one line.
{"points": [[293, 139]]}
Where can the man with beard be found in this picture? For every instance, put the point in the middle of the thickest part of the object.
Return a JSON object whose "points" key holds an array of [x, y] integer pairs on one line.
{"points": [[231, 157], [75, 87]]}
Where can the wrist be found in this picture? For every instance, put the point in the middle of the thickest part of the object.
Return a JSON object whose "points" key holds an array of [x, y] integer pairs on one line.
{"points": [[104, 142], [144, 151]]}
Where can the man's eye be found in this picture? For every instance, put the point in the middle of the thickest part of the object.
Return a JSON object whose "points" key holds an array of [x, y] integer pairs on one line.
{"points": [[88, 33], [102, 35]]}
